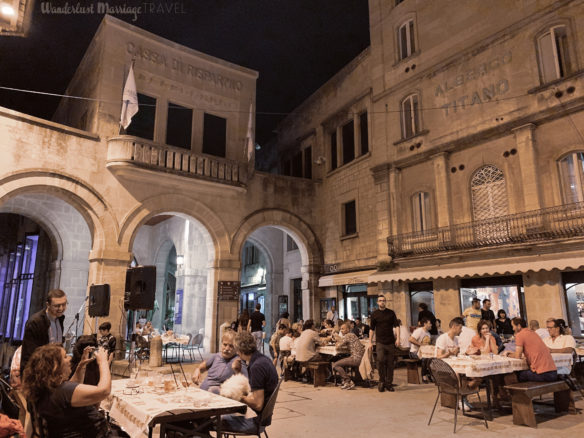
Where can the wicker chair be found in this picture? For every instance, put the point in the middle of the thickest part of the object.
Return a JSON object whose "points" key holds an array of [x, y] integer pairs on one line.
{"points": [[447, 382]]}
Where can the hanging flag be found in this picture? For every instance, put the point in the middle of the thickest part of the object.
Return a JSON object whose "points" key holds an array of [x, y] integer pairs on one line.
{"points": [[129, 99], [249, 140]]}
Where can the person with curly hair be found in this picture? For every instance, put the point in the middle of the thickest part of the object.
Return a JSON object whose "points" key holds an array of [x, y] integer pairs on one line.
{"points": [[68, 406]]}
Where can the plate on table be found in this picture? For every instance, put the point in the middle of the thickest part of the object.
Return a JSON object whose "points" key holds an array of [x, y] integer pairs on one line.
{"points": [[132, 385]]}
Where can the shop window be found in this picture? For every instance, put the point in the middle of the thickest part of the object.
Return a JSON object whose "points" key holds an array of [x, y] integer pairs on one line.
{"points": [[16, 287], [410, 116], [349, 218], [308, 162], [290, 243], [333, 148], [364, 133], [407, 39], [554, 57], [572, 177], [348, 131], [143, 121], [421, 211], [179, 126], [214, 135], [506, 297]]}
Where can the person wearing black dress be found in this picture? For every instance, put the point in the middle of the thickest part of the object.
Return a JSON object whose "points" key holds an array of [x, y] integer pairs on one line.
{"points": [[504, 326]]}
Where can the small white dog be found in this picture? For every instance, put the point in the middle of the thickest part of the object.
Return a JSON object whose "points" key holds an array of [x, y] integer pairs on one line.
{"points": [[236, 387]]}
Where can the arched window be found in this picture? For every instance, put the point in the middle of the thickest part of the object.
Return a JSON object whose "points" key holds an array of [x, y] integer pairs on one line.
{"points": [[572, 177], [422, 219], [410, 116], [554, 55], [489, 195]]}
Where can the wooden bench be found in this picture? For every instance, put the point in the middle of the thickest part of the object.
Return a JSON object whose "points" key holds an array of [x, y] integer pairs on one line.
{"points": [[413, 370], [319, 371], [522, 395]]}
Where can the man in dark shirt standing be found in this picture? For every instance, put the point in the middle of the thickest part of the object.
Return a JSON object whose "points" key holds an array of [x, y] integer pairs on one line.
{"points": [[383, 320], [257, 321], [486, 312]]}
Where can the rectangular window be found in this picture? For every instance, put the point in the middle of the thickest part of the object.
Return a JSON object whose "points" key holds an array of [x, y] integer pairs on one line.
{"points": [[179, 126], [214, 135], [554, 54], [406, 37], [333, 150], [308, 162], [290, 244], [297, 165], [364, 133], [348, 142], [421, 211], [410, 116], [143, 121], [350, 218]]}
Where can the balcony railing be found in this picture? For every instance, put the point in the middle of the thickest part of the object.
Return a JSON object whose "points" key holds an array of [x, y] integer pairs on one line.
{"points": [[126, 149], [532, 226]]}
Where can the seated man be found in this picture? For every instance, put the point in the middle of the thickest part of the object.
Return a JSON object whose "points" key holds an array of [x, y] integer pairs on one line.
{"points": [[420, 336], [327, 328], [356, 349], [263, 380], [306, 344], [538, 357], [447, 343], [219, 365], [558, 341], [534, 325]]}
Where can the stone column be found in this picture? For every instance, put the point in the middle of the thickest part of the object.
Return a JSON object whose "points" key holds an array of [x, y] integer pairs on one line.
{"points": [[394, 193], [447, 300], [442, 189], [400, 301], [381, 179], [109, 267], [525, 141], [218, 312], [311, 293], [544, 296]]}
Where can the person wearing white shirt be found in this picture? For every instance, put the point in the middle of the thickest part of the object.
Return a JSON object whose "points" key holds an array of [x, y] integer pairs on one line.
{"points": [[447, 343], [404, 335], [542, 332], [558, 341], [465, 338], [416, 340]]}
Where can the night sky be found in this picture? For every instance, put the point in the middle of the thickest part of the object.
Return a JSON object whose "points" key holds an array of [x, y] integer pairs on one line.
{"points": [[295, 45]]}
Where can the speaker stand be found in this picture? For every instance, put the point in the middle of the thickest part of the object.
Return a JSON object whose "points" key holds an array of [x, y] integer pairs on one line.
{"points": [[96, 324], [132, 355]]}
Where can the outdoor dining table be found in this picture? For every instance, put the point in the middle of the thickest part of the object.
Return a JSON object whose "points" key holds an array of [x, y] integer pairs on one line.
{"points": [[139, 408]]}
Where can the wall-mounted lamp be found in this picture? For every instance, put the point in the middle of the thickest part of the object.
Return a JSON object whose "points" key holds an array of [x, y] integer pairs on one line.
{"points": [[320, 160], [180, 260]]}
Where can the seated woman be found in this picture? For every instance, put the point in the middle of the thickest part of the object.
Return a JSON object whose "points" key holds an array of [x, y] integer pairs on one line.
{"points": [[503, 324], [68, 406], [327, 328], [483, 342]]}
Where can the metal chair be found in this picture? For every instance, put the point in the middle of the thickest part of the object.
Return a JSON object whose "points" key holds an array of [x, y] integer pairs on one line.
{"points": [[187, 347], [196, 343], [264, 418], [447, 382]]}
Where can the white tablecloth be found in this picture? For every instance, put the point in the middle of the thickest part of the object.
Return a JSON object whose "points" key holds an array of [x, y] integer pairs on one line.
{"points": [[481, 366], [134, 409], [182, 340]]}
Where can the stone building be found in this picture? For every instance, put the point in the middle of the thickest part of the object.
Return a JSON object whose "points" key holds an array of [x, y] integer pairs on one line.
{"points": [[444, 162], [80, 203], [450, 155]]}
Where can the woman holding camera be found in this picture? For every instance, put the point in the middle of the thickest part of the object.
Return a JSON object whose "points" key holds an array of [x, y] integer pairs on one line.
{"points": [[69, 407]]}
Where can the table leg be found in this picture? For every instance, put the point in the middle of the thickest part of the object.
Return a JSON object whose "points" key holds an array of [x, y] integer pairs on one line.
{"points": [[218, 421]]}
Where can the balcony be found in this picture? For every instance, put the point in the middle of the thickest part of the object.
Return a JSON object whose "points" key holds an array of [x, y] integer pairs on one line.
{"points": [[139, 159], [546, 224]]}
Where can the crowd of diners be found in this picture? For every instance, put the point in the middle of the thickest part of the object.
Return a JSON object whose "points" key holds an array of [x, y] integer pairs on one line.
{"points": [[66, 391]]}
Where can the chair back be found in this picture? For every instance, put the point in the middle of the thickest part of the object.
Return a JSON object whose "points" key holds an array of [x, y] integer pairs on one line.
{"points": [[190, 335], [444, 375], [268, 410], [8, 402], [198, 340]]}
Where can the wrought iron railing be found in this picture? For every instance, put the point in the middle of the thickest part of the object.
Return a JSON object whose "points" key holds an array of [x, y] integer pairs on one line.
{"points": [[184, 162], [536, 225]]}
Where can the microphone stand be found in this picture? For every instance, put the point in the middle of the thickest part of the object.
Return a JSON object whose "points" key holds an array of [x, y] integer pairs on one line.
{"points": [[76, 321]]}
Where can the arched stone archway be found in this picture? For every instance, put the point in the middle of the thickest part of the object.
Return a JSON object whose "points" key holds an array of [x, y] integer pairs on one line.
{"points": [[310, 250]]}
